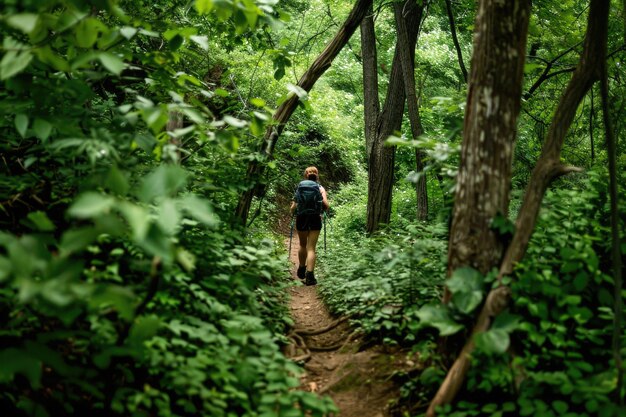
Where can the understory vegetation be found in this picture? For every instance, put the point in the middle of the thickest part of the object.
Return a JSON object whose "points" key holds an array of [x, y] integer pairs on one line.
{"points": [[548, 355]]}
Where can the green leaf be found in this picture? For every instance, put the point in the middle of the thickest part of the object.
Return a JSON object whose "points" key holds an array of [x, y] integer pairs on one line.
{"points": [[156, 243], [137, 217], [42, 129], [21, 124], [297, 90], [200, 210], [185, 258], [41, 221], [166, 181], [111, 62], [120, 298], [175, 43], [14, 62], [143, 329], [16, 361], [87, 32], [91, 204], [466, 286], [560, 407], [128, 32], [493, 341], [116, 181], [201, 41], [204, 6], [439, 317], [5, 268], [75, 240], [26, 22], [258, 102], [506, 322], [168, 217]]}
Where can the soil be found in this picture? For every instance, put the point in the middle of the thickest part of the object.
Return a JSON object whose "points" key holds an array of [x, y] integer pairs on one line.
{"points": [[360, 381]]}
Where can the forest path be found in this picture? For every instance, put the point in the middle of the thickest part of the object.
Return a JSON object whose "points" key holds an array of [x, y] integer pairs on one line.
{"points": [[359, 382]]}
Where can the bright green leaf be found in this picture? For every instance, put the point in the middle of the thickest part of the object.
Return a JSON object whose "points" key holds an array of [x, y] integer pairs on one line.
{"points": [[91, 204], [200, 210], [41, 221], [14, 62], [26, 22], [493, 341], [42, 129], [21, 124], [111, 62], [439, 317]]}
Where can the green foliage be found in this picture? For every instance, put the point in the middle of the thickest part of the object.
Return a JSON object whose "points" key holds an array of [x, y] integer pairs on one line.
{"points": [[549, 354], [385, 284], [124, 287]]}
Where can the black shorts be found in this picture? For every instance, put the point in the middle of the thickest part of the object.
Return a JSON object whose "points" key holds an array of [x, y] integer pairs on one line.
{"points": [[308, 222]]}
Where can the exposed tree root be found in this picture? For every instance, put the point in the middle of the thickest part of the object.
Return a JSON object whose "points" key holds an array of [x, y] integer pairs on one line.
{"points": [[337, 346], [315, 332]]}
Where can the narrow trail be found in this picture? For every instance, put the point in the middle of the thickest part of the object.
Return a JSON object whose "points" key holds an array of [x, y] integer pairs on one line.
{"points": [[360, 382]]}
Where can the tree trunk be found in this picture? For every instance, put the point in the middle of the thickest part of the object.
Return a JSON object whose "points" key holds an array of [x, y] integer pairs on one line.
{"points": [[407, 57], [370, 81], [493, 105], [548, 167], [381, 167], [285, 110], [455, 40]]}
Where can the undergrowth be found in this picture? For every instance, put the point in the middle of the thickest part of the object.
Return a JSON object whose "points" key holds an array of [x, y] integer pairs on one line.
{"points": [[548, 355]]}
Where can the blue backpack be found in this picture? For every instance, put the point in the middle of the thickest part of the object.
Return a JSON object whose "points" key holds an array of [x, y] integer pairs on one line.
{"points": [[308, 197]]}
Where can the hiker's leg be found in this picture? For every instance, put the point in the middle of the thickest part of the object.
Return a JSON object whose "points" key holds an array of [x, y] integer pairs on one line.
{"points": [[302, 250], [310, 249]]}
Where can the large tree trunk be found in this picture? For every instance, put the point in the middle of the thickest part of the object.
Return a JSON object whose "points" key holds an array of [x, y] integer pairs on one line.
{"points": [[493, 105], [286, 109], [407, 57], [370, 81], [548, 167], [380, 174]]}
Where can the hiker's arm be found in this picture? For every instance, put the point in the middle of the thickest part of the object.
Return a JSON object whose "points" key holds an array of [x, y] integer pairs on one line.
{"points": [[292, 209], [325, 202]]}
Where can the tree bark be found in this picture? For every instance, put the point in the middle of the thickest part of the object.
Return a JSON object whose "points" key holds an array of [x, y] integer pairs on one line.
{"points": [[370, 80], [407, 57], [548, 167], [380, 173], [285, 110], [493, 105], [455, 40]]}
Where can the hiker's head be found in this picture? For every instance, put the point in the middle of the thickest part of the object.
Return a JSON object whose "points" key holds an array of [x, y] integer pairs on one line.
{"points": [[311, 173]]}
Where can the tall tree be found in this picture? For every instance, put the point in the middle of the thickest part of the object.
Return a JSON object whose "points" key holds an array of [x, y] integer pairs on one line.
{"points": [[407, 57], [285, 110], [493, 105], [549, 166], [381, 157], [455, 40]]}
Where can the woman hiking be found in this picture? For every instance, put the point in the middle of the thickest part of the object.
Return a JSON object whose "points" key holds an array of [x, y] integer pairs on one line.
{"points": [[308, 203]]}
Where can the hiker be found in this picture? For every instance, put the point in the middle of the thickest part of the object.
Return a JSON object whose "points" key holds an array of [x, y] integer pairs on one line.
{"points": [[308, 203]]}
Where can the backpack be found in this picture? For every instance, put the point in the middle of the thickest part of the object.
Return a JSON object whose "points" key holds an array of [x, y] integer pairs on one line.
{"points": [[308, 196]]}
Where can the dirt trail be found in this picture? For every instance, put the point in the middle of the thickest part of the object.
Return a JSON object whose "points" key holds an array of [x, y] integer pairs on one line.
{"points": [[360, 382]]}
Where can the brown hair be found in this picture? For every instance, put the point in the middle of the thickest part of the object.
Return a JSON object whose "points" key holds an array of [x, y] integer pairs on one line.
{"points": [[311, 173]]}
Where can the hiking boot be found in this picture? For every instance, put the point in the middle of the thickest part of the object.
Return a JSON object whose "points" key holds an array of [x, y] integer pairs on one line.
{"points": [[301, 271], [309, 278]]}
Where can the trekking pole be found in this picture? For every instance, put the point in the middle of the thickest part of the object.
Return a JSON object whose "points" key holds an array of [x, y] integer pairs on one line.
{"points": [[290, 237], [324, 232]]}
